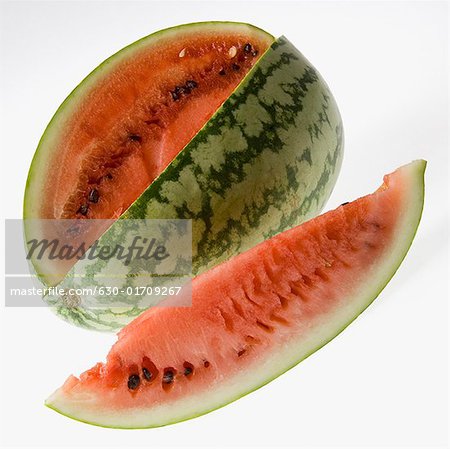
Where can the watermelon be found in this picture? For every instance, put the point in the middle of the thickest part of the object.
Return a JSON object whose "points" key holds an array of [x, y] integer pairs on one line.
{"points": [[251, 147], [254, 316]]}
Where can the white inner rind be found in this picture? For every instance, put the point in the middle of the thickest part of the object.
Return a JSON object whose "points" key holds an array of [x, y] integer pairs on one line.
{"points": [[89, 409]]}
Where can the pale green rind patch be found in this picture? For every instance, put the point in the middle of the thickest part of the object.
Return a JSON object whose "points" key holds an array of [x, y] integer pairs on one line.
{"points": [[252, 116]]}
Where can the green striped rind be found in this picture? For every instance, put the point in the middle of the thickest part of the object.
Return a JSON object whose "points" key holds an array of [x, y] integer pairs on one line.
{"points": [[266, 161]]}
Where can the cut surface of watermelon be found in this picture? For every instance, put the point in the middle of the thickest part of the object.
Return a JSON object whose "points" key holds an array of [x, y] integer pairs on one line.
{"points": [[121, 127], [254, 316]]}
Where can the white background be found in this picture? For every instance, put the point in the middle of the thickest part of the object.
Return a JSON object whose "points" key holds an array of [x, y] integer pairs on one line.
{"points": [[383, 382]]}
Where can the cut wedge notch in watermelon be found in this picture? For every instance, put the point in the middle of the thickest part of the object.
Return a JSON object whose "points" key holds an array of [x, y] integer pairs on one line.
{"points": [[254, 316]]}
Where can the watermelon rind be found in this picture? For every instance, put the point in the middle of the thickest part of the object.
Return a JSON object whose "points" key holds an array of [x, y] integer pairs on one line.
{"points": [[280, 362]]}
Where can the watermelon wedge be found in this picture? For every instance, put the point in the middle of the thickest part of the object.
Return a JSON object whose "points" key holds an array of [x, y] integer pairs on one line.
{"points": [[254, 316]]}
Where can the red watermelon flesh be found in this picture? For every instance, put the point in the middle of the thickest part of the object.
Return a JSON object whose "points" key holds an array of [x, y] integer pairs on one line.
{"points": [[254, 316]]}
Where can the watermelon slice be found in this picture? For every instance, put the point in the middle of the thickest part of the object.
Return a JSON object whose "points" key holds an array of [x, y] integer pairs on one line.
{"points": [[254, 316]]}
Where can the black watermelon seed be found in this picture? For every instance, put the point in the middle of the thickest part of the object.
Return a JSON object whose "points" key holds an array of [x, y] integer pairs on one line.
{"points": [[135, 137], [179, 90], [168, 377], [83, 210], [255, 53], [188, 371], [206, 364], [133, 381], [343, 204], [247, 48], [236, 67], [94, 196], [191, 84], [222, 72], [241, 352], [108, 176], [147, 374]]}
